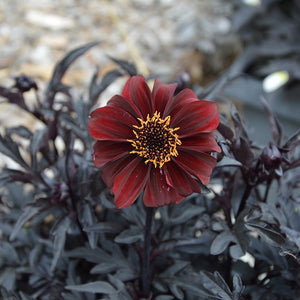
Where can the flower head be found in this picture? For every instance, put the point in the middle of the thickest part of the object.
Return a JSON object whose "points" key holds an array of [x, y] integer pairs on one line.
{"points": [[154, 142]]}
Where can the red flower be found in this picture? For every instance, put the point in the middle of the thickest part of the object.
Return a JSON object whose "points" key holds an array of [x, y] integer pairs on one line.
{"points": [[154, 142]]}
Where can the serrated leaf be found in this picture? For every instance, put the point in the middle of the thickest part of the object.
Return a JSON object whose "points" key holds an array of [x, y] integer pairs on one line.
{"points": [[221, 242], [93, 287], [129, 236], [102, 268], [177, 267], [187, 214], [29, 212], [87, 218], [228, 162], [59, 240], [237, 287], [8, 278], [9, 148], [25, 297], [109, 227], [292, 234], [8, 253], [91, 255], [176, 291], [11, 175], [270, 236], [216, 285], [35, 254]]}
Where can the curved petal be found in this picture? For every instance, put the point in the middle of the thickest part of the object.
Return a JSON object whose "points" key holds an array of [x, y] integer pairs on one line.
{"points": [[181, 181], [106, 151], [197, 117], [111, 123], [162, 94], [126, 104], [130, 182], [110, 170], [203, 142], [140, 94], [181, 100], [198, 164], [125, 92], [158, 192]]}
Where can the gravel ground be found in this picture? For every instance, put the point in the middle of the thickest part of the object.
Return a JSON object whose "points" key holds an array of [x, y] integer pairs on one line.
{"points": [[160, 36]]}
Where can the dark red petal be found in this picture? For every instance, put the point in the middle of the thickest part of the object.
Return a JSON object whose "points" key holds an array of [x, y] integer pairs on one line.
{"points": [[111, 169], [203, 142], [141, 95], [111, 123], [197, 117], [130, 182], [181, 181], [126, 104], [158, 192], [162, 94], [198, 164], [125, 92], [181, 100], [106, 151]]}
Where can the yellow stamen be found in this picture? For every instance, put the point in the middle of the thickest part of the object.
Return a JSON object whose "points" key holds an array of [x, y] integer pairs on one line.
{"points": [[155, 140]]}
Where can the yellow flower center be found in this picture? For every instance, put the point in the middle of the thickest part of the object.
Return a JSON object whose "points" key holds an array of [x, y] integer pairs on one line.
{"points": [[155, 140]]}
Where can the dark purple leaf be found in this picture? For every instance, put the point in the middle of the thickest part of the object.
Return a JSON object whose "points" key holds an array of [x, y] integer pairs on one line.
{"points": [[108, 227], [226, 131], [243, 152], [60, 234], [28, 214], [38, 141], [269, 235], [238, 124], [21, 131], [55, 84], [13, 97], [126, 66], [228, 162], [102, 287], [275, 126], [9, 148], [129, 236], [10, 175], [87, 218], [221, 242], [96, 89]]}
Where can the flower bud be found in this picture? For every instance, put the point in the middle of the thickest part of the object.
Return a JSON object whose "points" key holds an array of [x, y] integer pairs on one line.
{"points": [[25, 83], [271, 158]]}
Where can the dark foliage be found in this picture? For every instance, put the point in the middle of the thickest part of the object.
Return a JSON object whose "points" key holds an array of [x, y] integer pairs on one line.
{"points": [[62, 238]]}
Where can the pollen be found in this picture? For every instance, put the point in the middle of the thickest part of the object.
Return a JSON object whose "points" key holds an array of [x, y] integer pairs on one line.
{"points": [[155, 140]]}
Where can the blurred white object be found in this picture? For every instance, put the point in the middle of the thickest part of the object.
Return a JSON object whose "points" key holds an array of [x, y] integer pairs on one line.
{"points": [[252, 2], [275, 80]]}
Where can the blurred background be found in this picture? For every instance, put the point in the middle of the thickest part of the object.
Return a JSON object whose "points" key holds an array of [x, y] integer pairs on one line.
{"points": [[253, 45]]}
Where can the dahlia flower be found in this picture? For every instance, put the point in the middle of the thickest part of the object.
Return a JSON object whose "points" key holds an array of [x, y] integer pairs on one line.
{"points": [[154, 143]]}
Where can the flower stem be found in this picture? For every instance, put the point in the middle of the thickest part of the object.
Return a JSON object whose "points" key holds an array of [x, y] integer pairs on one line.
{"points": [[146, 252]]}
